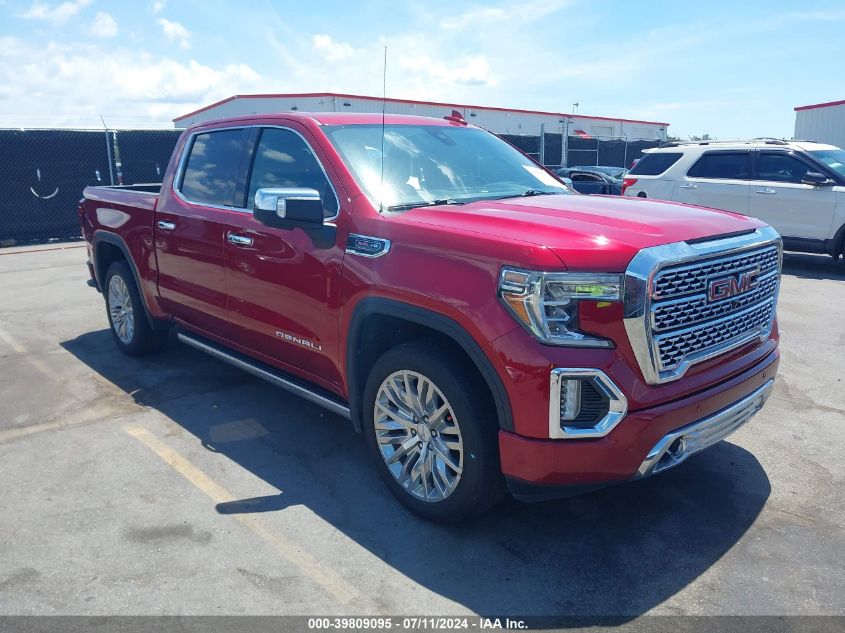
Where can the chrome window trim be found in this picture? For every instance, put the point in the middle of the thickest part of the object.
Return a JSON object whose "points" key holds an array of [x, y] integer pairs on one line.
{"points": [[618, 404], [639, 278], [183, 163]]}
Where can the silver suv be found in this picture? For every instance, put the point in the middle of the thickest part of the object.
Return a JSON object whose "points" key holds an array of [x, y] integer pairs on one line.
{"points": [[798, 187]]}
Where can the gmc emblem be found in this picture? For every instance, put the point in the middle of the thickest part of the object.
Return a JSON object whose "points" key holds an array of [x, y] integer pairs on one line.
{"points": [[726, 287]]}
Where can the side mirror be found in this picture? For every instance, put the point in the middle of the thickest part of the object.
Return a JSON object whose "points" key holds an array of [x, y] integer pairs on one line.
{"points": [[289, 208], [566, 181], [816, 179]]}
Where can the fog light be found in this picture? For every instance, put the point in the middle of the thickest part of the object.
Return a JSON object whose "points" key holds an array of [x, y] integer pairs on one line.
{"points": [[570, 399], [583, 403]]}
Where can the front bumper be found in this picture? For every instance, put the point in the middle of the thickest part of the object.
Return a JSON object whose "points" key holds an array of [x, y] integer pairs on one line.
{"points": [[645, 442]]}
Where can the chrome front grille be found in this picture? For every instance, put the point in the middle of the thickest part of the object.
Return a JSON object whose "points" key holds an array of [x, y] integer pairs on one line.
{"points": [[686, 303]]}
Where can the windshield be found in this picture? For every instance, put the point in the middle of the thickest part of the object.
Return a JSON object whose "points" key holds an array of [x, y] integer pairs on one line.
{"points": [[833, 158], [435, 164]]}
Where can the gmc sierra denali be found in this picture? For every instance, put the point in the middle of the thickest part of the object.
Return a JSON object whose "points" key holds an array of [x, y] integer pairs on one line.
{"points": [[483, 326]]}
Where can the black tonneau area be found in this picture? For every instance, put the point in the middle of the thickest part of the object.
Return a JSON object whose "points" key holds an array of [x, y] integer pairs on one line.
{"points": [[152, 187]]}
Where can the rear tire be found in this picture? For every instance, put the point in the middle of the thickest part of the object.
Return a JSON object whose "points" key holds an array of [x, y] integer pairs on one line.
{"points": [[130, 327], [432, 431]]}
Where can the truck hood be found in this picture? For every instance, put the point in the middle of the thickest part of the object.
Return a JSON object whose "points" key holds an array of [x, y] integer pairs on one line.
{"points": [[597, 233]]}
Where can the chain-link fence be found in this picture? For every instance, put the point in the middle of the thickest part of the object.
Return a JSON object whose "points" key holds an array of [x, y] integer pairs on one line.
{"points": [[43, 173], [557, 150]]}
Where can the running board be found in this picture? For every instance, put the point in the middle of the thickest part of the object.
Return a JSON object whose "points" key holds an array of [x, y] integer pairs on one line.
{"points": [[271, 375]]}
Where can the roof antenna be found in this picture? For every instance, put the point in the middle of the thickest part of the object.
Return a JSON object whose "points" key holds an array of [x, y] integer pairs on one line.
{"points": [[383, 106]]}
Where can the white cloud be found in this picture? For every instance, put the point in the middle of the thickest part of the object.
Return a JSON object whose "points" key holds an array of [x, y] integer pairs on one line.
{"points": [[470, 71], [72, 84], [103, 25], [515, 12], [419, 66], [474, 17], [330, 50], [55, 14], [158, 7], [175, 32]]}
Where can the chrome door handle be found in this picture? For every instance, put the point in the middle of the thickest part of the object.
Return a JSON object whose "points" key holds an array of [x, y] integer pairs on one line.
{"points": [[689, 186], [166, 226], [766, 190], [238, 240]]}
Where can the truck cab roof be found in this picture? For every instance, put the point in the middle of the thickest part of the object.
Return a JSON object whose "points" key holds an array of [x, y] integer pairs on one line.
{"points": [[332, 118]]}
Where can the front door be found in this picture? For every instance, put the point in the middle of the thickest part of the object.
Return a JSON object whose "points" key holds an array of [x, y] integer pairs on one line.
{"points": [[283, 283], [718, 179], [779, 198]]}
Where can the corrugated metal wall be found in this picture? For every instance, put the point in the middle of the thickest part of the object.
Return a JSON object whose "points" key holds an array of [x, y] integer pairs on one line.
{"points": [[497, 121], [823, 124]]}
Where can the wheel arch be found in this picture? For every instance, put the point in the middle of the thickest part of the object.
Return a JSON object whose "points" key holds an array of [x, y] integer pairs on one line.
{"points": [[108, 248], [837, 244], [410, 322]]}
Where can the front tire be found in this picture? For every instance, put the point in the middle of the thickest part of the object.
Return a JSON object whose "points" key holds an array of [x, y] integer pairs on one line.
{"points": [[127, 317], [432, 431]]}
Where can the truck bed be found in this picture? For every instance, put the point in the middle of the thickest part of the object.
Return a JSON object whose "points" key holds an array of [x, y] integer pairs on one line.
{"points": [[142, 196]]}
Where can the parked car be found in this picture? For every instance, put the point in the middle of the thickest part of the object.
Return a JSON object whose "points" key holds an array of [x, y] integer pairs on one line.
{"points": [[592, 180], [477, 323], [798, 187]]}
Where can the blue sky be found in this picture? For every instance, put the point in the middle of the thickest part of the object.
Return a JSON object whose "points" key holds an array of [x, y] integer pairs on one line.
{"points": [[730, 69]]}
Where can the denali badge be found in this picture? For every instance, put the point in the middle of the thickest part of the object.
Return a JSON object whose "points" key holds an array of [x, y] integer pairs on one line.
{"points": [[367, 246], [725, 287], [299, 341]]}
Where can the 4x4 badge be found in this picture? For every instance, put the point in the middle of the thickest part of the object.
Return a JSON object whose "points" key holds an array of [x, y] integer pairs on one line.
{"points": [[726, 287]]}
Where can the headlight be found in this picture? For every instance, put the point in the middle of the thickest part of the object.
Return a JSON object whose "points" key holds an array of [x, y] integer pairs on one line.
{"points": [[547, 303]]}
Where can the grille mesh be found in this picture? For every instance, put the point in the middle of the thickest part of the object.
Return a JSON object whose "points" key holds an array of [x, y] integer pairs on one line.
{"points": [[685, 323], [680, 280], [675, 346], [696, 308]]}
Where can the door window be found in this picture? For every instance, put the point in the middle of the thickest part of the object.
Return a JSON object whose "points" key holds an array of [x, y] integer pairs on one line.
{"points": [[723, 165], [655, 163], [212, 168], [585, 178], [780, 167], [283, 160]]}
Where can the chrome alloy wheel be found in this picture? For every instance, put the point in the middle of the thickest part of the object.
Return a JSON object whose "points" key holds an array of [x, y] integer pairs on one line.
{"points": [[120, 309], [418, 435]]}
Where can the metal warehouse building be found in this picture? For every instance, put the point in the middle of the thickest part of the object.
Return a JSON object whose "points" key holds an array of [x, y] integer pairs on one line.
{"points": [[823, 122], [498, 120]]}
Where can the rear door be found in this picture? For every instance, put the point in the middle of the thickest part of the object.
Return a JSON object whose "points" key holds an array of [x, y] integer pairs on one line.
{"points": [[779, 198], [719, 179], [190, 228], [283, 283]]}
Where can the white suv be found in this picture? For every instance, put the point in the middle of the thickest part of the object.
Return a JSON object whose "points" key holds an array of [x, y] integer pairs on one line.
{"points": [[798, 187]]}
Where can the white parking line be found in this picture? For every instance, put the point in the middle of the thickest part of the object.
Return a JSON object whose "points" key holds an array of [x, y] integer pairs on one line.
{"points": [[27, 356]]}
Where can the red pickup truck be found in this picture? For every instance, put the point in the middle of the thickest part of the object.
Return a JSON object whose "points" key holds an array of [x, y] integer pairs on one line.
{"points": [[483, 326]]}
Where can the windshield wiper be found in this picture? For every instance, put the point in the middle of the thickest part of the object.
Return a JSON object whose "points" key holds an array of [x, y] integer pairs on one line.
{"points": [[530, 192], [405, 206]]}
